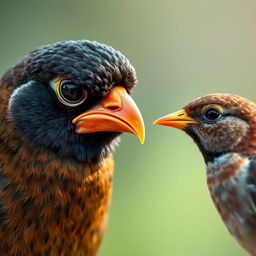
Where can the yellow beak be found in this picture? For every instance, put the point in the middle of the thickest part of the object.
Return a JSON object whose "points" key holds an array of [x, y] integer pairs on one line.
{"points": [[179, 119]]}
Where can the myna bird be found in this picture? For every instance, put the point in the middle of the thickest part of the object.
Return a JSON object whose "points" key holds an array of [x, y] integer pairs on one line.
{"points": [[62, 109], [224, 128]]}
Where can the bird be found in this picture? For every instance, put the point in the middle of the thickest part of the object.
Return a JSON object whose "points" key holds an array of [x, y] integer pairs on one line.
{"points": [[223, 126], [63, 108]]}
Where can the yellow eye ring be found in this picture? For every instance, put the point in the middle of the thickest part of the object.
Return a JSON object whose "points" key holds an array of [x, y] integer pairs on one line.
{"points": [[69, 93], [212, 112]]}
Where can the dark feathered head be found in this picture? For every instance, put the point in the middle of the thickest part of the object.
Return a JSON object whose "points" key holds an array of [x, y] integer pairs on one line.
{"points": [[72, 98]]}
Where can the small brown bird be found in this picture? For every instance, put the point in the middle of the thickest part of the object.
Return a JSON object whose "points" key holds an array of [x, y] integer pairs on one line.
{"points": [[224, 128], [62, 109]]}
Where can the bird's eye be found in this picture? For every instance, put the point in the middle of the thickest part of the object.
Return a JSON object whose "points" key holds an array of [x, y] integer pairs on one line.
{"points": [[69, 93], [212, 114]]}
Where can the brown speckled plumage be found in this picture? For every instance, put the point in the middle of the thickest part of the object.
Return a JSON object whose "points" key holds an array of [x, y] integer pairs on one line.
{"points": [[237, 105], [224, 128]]}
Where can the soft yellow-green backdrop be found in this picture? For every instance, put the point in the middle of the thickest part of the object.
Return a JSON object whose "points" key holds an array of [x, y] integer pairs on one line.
{"points": [[181, 49]]}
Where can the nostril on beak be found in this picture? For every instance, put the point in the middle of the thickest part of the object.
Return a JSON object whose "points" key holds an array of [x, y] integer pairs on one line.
{"points": [[113, 100], [113, 107]]}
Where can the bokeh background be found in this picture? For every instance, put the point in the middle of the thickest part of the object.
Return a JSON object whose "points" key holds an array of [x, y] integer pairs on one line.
{"points": [[181, 49]]}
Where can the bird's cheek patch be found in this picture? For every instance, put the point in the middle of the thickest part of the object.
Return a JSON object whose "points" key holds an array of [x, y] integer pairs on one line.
{"points": [[222, 136], [15, 101]]}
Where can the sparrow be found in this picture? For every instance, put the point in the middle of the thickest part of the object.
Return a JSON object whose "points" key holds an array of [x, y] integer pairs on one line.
{"points": [[62, 110], [224, 128]]}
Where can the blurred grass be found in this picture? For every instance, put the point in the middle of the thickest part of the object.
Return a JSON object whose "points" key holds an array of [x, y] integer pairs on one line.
{"points": [[181, 49]]}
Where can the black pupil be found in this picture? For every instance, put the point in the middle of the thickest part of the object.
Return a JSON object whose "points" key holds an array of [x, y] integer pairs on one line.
{"points": [[212, 114], [71, 92]]}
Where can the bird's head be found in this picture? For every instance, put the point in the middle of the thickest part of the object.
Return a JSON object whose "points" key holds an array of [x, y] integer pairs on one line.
{"points": [[72, 98], [218, 123]]}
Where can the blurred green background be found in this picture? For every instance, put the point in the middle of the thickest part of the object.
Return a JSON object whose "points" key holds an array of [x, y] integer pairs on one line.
{"points": [[181, 49]]}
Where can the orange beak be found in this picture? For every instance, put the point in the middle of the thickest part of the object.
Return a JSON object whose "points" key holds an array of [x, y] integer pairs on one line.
{"points": [[116, 112], [179, 119]]}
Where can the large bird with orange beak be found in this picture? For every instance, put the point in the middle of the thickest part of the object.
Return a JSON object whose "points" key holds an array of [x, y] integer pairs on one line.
{"points": [[224, 128], [62, 109]]}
